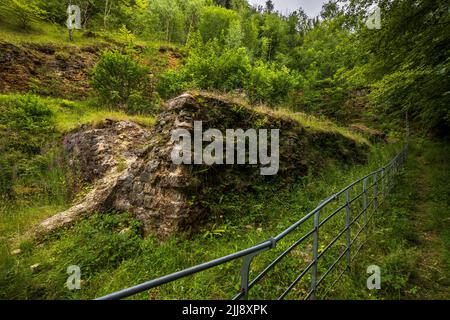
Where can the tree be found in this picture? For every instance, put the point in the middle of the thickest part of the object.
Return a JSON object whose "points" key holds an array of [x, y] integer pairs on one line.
{"points": [[164, 20], [269, 6], [273, 35], [21, 12], [224, 3], [303, 22], [330, 10], [410, 62], [191, 10], [215, 22], [107, 12]]}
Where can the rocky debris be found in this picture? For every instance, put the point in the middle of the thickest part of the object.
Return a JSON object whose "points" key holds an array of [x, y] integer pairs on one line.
{"points": [[35, 268], [16, 252], [131, 168], [373, 134], [96, 151], [124, 231], [46, 69], [102, 156]]}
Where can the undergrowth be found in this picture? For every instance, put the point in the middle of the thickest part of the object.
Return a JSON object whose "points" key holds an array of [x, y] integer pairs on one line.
{"points": [[142, 259]]}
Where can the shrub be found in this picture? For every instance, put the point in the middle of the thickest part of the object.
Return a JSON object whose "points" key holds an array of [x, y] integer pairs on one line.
{"points": [[215, 22], [25, 125], [271, 84], [21, 12], [213, 66], [209, 66], [120, 81], [172, 82]]}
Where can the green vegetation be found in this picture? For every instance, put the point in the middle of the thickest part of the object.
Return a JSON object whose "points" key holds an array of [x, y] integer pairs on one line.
{"points": [[120, 81], [34, 168], [133, 260], [411, 236], [22, 13], [411, 70], [208, 66], [313, 65], [25, 123]]}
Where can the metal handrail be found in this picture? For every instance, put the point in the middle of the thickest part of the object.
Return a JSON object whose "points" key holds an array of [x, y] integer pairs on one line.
{"points": [[387, 173]]}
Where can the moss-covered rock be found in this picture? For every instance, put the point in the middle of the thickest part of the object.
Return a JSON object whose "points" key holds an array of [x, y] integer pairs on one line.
{"points": [[168, 197]]}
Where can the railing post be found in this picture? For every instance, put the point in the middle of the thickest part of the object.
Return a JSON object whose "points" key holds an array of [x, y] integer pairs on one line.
{"points": [[347, 226], [407, 129], [391, 181], [315, 252], [365, 202], [375, 192], [386, 182]]}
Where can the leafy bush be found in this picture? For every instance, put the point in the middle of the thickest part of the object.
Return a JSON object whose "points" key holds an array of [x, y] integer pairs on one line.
{"points": [[271, 83], [121, 81], [408, 90], [172, 83], [21, 12], [209, 66], [25, 125], [222, 67], [215, 22]]}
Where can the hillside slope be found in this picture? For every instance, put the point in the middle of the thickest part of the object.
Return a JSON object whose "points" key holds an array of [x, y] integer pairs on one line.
{"points": [[117, 241]]}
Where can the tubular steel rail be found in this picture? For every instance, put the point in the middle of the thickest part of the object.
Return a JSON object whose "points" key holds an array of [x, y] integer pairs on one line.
{"points": [[373, 190]]}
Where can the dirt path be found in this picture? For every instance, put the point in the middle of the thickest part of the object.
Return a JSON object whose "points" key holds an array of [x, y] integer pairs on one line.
{"points": [[430, 223]]}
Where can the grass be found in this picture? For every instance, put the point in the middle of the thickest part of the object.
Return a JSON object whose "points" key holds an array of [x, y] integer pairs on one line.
{"points": [[113, 255], [72, 114], [43, 187], [43, 33], [411, 241], [320, 124]]}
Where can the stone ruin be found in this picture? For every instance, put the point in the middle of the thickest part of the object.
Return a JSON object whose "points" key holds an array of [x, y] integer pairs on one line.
{"points": [[130, 169]]}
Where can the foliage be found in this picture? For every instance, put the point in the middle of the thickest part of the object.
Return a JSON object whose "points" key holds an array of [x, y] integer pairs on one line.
{"points": [[271, 83], [406, 62], [25, 126], [410, 244], [215, 22], [409, 61], [292, 61], [21, 12], [120, 81], [113, 238], [209, 66], [116, 256]]}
